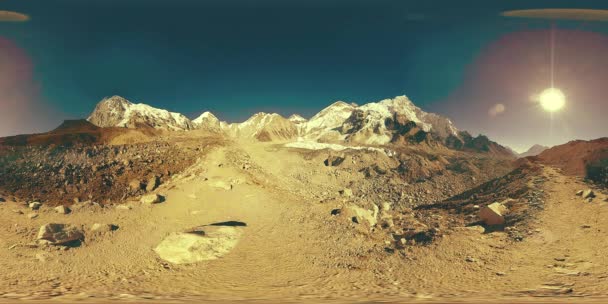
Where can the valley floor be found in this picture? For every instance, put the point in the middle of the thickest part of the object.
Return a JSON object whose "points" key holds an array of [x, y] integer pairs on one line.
{"points": [[290, 248]]}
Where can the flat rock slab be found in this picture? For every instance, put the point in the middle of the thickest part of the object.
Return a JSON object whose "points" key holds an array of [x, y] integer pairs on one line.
{"points": [[208, 243]]}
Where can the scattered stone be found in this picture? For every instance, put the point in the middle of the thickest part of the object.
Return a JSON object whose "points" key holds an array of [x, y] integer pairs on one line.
{"points": [[586, 226], [336, 211], [221, 185], [32, 215], [62, 210], [153, 184], [560, 259], [102, 228], [333, 161], [501, 274], [151, 199], [493, 214], [123, 207], [358, 215], [35, 205], [135, 185], [470, 259], [588, 194], [477, 228], [60, 234], [2, 200], [579, 192], [347, 192]]}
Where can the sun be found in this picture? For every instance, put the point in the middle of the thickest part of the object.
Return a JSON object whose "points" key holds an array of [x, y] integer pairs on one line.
{"points": [[552, 99]]}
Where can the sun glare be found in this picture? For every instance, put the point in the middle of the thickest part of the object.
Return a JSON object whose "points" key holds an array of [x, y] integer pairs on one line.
{"points": [[552, 99]]}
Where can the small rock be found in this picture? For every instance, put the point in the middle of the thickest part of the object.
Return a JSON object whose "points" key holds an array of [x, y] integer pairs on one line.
{"points": [[221, 185], [579, 192], [62, 210], [470, 259], [35, 205], [135, 185], [477, 228], [32, 215], [151, 199], [123, 207], [2, 200], [501, 274]]}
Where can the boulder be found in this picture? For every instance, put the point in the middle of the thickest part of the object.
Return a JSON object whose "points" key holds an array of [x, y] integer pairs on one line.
{"points": [[153, 183], [60, 234], [493, 214], [35, 205], [588, 194], [201, 244], [62, 210], [151, 199]]}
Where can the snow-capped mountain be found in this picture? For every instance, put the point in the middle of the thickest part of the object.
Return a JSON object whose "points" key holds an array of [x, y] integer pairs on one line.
{"points": [[376, 122], [116, 111], [389, 121], [324, 125], [264, 127], [206, 121]]}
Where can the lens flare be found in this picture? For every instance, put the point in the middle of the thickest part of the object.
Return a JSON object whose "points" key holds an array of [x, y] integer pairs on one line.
{"points": [[552, 99]]}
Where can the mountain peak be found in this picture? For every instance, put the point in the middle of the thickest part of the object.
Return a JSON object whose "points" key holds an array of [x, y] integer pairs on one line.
{"points": [[297, 119], [206, 121], [117, 111]]}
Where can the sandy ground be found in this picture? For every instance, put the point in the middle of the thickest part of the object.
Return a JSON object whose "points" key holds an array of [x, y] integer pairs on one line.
{"points": [[291, 249]]}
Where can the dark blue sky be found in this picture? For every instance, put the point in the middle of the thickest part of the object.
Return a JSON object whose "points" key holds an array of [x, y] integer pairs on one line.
{"points": [[236, 57]]}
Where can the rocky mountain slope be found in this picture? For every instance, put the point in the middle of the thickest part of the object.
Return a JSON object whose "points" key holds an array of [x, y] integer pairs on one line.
{"points": [[580, 158]]}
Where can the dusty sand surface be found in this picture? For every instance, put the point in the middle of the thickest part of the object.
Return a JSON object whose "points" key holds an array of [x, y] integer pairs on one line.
{"points": [[290, 249]]}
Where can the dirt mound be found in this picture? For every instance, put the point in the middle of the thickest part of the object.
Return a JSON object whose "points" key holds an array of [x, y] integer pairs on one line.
{"points": [[79, 132], [580, 158]]}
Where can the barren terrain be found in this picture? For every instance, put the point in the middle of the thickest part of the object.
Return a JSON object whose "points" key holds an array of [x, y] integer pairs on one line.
{"points": [[276, 224]]}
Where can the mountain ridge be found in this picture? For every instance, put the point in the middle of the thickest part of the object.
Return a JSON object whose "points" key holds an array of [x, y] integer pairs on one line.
{"points": [[386, 122]]}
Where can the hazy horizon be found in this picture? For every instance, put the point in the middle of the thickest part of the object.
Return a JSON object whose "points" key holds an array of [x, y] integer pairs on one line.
{"points": [[476, 67]]}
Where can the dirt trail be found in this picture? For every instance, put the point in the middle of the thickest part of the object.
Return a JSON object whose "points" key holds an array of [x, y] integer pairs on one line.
{"points": [[291, 248]]}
